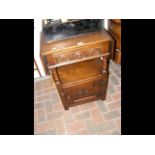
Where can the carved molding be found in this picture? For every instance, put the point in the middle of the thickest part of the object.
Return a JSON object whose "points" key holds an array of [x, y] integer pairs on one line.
{"points": [[59, 58]]}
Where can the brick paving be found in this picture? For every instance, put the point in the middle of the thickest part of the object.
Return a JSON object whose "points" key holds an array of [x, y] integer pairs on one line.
{"points": [[95, 118]]}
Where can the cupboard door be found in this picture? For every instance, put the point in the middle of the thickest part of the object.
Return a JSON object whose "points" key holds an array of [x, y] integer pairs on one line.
{"points": [[79, 92]]}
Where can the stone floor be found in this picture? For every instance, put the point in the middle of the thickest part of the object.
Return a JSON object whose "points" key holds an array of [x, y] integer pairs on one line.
{"points": [[95, 118]]}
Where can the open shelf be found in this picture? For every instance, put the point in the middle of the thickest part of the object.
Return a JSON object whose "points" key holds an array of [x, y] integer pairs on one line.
{"points": [[80, 71]]}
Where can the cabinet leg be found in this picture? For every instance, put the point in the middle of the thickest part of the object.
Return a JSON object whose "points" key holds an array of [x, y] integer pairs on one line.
{"points": [[66, 108], [103, 98]]}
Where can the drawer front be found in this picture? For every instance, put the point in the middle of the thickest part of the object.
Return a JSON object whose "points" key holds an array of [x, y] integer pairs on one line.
{"points": [[80, 91], [77, 53]]}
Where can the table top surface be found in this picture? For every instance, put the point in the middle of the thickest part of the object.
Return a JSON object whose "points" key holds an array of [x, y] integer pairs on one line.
{"points": [[80, 40]]}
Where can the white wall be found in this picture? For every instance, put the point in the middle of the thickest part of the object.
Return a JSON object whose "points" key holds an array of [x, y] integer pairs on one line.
{"points": [[37, 30], [106, 23]]}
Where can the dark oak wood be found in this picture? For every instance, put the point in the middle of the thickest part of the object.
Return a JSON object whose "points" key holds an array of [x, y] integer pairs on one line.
{"points": [[74, 43], [79, 66], [80, 71], [114, 28]]}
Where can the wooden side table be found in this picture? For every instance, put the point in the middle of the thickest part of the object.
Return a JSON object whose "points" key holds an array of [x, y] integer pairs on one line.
{"points": [[79, 66]]}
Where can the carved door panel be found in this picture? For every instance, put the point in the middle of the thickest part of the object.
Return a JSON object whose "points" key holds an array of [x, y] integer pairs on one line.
{"points": [[79, 91]]}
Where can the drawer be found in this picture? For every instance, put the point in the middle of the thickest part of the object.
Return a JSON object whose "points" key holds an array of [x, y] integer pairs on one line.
{"points": [[64, 56]]}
